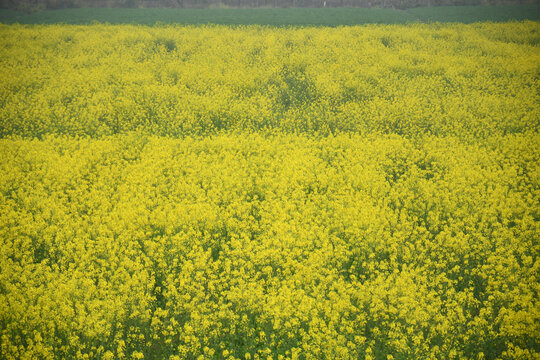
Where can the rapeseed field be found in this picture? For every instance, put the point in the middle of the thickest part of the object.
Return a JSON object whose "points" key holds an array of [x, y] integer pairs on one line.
{"points": [[214, 192], [460, 80]]}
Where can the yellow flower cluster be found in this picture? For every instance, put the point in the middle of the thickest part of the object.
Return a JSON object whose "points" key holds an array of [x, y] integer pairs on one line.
{"points": [[244, 246], [465, 80], [366, 192]]}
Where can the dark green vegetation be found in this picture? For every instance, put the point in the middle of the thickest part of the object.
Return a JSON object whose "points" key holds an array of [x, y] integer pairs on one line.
{"points": [[276, 17], [470, 14], [280, 17]]}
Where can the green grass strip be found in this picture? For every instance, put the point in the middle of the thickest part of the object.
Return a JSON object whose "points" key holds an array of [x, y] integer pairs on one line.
{"points": [[275, 17]]}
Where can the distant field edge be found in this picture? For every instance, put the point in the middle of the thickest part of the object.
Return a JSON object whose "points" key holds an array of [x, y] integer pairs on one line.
{"points": [[276, 17]]}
